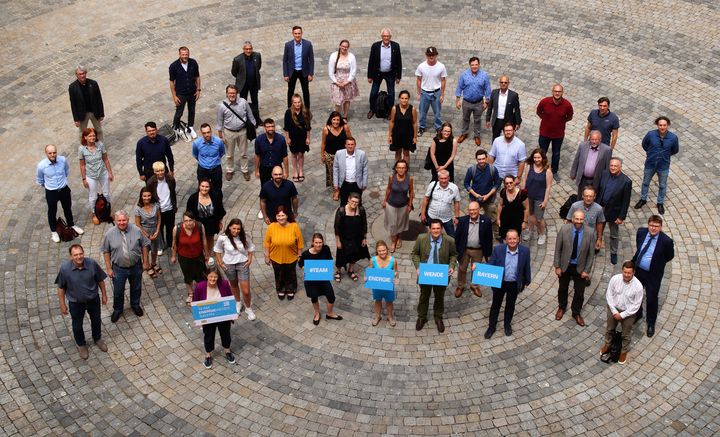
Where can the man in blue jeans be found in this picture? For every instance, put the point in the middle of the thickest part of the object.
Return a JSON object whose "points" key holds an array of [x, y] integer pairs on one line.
{"points": [[431, 76], [659, 144]]}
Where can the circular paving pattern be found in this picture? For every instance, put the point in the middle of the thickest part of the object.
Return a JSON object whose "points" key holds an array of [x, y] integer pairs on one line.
{"points": [[349, 378]]}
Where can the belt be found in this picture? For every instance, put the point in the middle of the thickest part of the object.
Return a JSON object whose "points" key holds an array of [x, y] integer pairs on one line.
{"points": [[473, 102], [431, 92], [233, 130], [474, 248]]}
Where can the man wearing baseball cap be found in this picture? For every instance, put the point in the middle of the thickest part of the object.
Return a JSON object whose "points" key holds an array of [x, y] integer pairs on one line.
{"points": [[431, 76]]}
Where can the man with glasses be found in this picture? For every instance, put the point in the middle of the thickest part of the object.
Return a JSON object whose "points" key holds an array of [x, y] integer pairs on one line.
{"points": [[431, 76], [554, 112], [504, 107], [246, 71]]}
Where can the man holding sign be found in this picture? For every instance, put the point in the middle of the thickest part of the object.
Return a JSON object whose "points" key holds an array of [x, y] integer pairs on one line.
{"points": [[433, 248], [515, 260]]}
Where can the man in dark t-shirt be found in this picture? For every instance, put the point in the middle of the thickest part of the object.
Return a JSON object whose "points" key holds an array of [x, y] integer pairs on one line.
{"points": [[275, 192]]}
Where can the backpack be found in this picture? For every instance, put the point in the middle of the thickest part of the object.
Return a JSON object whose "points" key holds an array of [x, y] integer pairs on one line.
{"points": [[492, 175], [65, 232], [103, 210], [565, 208], [168, 132], [382, 109], [613, 355]]}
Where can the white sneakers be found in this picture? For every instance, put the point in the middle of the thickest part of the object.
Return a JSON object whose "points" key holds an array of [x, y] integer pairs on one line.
{"points": [[260, 216], [239, 307], [160, 252], [192, 132], [526, 235], [250, 314], [78, 229], [55, 237], [541, 239]]}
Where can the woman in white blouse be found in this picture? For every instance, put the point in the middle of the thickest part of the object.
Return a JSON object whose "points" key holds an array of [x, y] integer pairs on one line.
{"points": [[342, 69], [234, 254]]}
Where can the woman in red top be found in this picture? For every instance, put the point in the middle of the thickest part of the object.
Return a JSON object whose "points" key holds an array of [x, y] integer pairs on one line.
{"points": [[189, 250]]}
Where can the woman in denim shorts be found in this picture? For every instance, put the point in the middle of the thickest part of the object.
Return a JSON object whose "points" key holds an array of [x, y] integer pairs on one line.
{"points": [[234, 254]]}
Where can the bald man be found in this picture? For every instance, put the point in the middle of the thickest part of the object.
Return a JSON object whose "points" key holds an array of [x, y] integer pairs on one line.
{"points": [[52, 174]]}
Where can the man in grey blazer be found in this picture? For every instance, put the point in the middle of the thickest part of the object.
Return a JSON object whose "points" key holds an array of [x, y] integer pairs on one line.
{"points": [[574, 255], [350, 172], [591, 159], [246, 71], [504, 107]]}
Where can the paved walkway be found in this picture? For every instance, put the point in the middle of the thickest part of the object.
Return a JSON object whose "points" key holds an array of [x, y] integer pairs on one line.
{"points": [[349, 378]]}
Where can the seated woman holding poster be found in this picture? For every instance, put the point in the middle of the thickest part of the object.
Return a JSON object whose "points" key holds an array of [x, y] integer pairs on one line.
{"points": [[214, 288], [382, 261], [314, 289]]}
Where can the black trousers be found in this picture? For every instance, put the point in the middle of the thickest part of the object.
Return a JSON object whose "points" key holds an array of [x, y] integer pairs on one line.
{"points": [[216, 178], [497, 128], [77, 314], [304, 84], [579, 285], [209, 335], [179, 109], [265, 174], [167, 223], [285, 277], [63, 195], [254, 105], [652, 292], [346, 188], [509, 289], [389, 79]]}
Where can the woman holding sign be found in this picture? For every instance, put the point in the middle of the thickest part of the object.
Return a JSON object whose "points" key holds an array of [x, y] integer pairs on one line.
{"points": [[314, 289], [214, 288], [382, 260], [350, 231], [283, 244]]}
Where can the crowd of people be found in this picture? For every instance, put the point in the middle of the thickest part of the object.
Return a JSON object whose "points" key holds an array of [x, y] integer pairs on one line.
{"points": [[508, 192]]}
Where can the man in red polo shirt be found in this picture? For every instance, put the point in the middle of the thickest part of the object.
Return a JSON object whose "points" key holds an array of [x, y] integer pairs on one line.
{"points": [[554, 113]]}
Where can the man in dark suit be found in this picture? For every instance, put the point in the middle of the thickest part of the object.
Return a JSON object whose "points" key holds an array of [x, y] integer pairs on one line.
{"points": [[86, 102], [298, 63], [654, 250], [504, 107], [515, 259], [574, 255], [614, 189], [385, 63], [434, 248], [591, 159], [246, 70], [473, 242]]}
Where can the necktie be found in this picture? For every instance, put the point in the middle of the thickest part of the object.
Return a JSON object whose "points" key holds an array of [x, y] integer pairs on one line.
{"points": [[645, 249], [575, 245], [436, 259], [125, 248]]}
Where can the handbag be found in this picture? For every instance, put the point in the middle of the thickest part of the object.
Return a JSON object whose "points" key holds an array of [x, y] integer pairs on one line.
{"points": [[428, 161], [249, 128], [427, 208], [65, 232]]}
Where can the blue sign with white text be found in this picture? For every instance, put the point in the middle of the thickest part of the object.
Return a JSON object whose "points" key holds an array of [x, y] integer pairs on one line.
{"points": [[212, 311], [433, 274], [488, 275], [380, 279], [318, 270]]}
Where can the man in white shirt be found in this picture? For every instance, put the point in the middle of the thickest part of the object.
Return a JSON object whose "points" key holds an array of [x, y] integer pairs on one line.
{"points": [[624, 297], [350, 172], [431, 76]]}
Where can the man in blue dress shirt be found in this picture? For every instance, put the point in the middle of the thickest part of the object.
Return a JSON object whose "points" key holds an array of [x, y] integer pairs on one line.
{"points": [[51, 173], [659, 144], [472, 96], [298, 63], [209, 150]]}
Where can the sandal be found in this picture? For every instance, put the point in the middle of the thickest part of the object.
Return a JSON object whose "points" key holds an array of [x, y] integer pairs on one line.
{"points": [[338, 278], [188, 300], [296, 179], [376, 320], [157, 269], [353, 276], [301, 178], [151, 273], [392, 248]]}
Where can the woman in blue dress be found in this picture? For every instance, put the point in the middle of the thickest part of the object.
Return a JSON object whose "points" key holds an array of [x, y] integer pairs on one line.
{"points": [[383, 260]]}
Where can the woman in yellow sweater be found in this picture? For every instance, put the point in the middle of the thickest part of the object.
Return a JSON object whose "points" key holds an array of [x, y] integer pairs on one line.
{"points": [[283, 245]]}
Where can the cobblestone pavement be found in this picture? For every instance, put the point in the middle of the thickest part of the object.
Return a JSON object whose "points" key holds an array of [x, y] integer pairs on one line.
{"points": [[349, 378]]}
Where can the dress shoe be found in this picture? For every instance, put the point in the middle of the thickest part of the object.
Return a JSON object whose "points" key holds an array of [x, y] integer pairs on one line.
{"points": [[622, 358], [579, 320], [115, 316], [640, 203], [661, 208], [246, 175], [650, 330], [605, 349], [508, 331], [458, 291], [138, 311], [613, 258], [476, 290], [559, 314], [440, 325], [370, 115], [489, 333], [419, 324], [478, 141], [101, 345], [83, 351], [461, 138]]}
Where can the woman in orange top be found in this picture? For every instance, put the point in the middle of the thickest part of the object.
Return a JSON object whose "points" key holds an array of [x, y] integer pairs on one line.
{"points": [[283, 245]]}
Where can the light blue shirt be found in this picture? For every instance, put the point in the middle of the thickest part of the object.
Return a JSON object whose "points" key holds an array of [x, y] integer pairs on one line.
{"points": [[298, 55], [433, 243], [647, 257], [580, 237], [52, 176], [507, 156], [473, 87], [385, 57], [208, 153], [511, 263]]}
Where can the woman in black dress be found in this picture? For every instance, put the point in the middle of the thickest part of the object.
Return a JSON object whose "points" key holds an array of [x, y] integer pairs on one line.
{"points": [[334, 134], [402, 128], [207, 208], [318, 250], [513, 207], [350, 231], [297, 134], [442, 152]]}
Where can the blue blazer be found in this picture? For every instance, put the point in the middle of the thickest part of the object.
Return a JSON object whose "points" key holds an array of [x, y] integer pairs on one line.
{"points": [[523, 269], [308, 58], [663, 254], [485, 237]]}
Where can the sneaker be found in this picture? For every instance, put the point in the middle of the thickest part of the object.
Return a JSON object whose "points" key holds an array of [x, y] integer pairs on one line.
{"points": [[260, 215], [421, 131], [230, 357], [541, 239], [208, 363], [239, 307], [526, 236], [250, 314], [192, 133], [78, 229], [160, 252], [211, 262], [55, 237]]}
